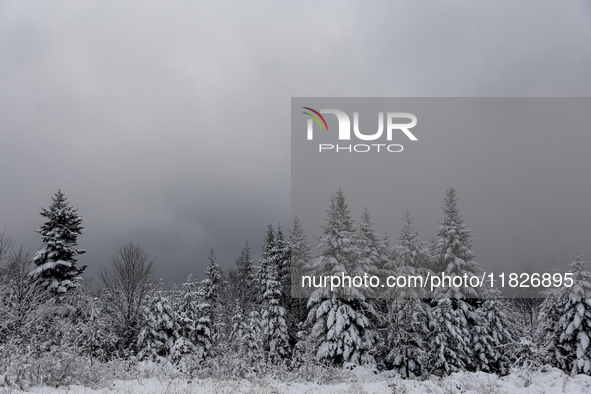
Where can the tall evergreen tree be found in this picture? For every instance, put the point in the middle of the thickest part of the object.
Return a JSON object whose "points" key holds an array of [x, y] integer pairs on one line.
{"points": [[194, 317], [300, 249], [55, 261], [547, 331], [300, 257], [273, 314], [453, 306], [449, 338], [372, 255], [371, 249], [409, 251], [407, 313], [282, 256], [160, 330], [244, 278], [267, 260], [453, 254], [575, 321], [213, 294], [493, 331], [292, 305], [406, 336], [273, 318], [341, 326], [214, 280]]}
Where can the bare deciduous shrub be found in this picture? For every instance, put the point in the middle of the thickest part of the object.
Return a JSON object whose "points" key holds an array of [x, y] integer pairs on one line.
{"points": [[126, 287]]}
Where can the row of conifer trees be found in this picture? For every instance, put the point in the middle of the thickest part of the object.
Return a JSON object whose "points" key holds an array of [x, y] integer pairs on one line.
{"points": [[247, 318]]}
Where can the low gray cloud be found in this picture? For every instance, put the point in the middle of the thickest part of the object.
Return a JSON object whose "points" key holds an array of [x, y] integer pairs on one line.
{"points": [[168, 123]]}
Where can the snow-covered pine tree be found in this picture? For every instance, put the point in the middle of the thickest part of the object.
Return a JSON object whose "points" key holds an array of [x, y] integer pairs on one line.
{"points": [[55, 261], [267, 259], [251, 342], [97, 338], [238, 327], [371, 249], [195, 328], [575, 321], [547, 331], [493, 332], [373, 253], [245, 286], [214, 280], [340, 321], [453, 254], [160, 328], [282, 256], [406, 336], [273, 318], [409, 251], [454, 257], [291, 304], [273, 315], [449, 338], [430, 249], [300, 258], [213, 288], [407, 313]]}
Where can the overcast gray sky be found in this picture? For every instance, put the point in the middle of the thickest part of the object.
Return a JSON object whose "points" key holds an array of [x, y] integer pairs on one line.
{"points": [[168, 123]]}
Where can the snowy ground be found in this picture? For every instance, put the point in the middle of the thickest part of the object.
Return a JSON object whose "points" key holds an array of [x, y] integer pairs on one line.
{"points": [[360, 380]]}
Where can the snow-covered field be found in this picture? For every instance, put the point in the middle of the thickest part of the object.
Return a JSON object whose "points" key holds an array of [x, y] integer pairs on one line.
{"points": [[360, 380]]}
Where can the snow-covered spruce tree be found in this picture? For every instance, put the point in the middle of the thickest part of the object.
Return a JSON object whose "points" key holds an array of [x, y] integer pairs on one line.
{"points": [[453, 254], [407, 313], [493, 332], [409, 251], [381, 302], [273, 314], [194, 320], [371, 249], [454, 257], [293, 305], [547, 331], [373, 254], [449, 338], [282, 256], [244, 279], [406, 336], [56, 262], [431, 252], [160, 328], [340, 323], [575, 321], [273, 319], [213, 294], [477, 311], [238, 327], [300, 258], [267, 259], [96, 335], [250, 340], [215, 279]]}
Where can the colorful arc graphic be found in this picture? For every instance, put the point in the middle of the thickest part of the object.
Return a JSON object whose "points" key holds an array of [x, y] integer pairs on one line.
{"points": [[315, 118]]}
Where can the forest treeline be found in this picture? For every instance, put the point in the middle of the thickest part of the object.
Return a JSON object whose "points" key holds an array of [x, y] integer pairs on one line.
{"points": [[244, 321]]}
